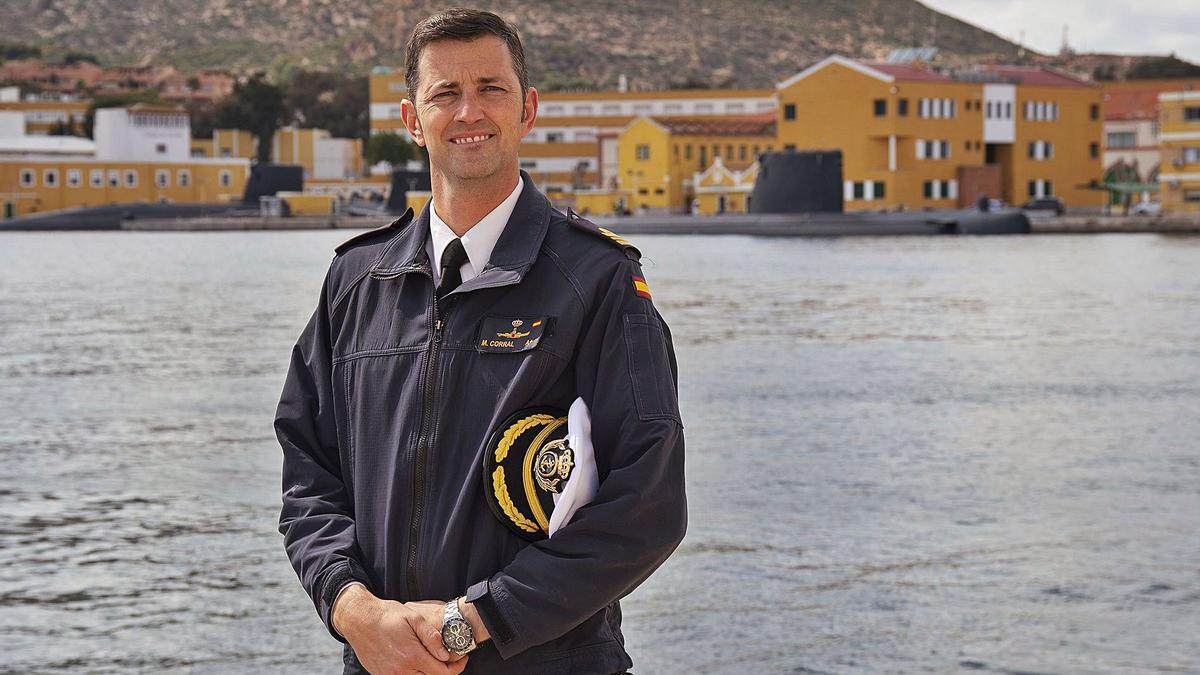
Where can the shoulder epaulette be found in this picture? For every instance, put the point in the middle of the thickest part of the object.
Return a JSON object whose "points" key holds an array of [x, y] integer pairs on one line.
{"points": [[604, 233], [390, 227]]}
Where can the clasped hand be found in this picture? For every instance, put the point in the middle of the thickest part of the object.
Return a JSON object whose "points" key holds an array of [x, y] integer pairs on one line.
{"points": [[393, 638]]}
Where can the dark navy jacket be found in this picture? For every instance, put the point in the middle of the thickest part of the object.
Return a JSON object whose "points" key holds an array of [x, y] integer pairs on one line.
{"points": [[389, 402]]}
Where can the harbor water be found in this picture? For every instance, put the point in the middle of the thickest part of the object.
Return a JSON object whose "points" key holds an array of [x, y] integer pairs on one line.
{"points": [[904, 454]]}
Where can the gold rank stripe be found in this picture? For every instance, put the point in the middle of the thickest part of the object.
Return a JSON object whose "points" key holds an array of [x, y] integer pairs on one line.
{"points": [[641, 288], [614, 236]]}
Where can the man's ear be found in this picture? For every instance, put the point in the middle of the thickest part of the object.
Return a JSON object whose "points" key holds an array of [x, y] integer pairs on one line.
{"points": [[530, 110], [411, 122]]}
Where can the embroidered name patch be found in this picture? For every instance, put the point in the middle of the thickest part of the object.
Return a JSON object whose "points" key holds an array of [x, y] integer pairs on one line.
{"points": [[502, 335]]}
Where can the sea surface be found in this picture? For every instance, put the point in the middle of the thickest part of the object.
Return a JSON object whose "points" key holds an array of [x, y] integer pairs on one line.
{"points": [[904, 454]]}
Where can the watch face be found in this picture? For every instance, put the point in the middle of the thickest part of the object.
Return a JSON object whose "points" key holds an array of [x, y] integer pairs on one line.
{"points": [[457, 636]]}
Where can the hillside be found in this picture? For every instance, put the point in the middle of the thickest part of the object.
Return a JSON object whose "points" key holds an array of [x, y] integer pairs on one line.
{"points": [[747, 43]]}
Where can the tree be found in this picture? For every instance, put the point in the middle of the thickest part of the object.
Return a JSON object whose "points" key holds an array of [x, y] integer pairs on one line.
{"points": [[331, 101], [390, 148], [73, 58], [1162, 67], [62, 128], [203, 116], [258, 107]]}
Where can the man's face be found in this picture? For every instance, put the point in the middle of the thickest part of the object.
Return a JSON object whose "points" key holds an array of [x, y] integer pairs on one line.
{"points": [[467, 110]]}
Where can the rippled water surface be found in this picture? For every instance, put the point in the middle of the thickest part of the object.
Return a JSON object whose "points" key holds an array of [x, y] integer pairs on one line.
{"points": [[903, 454]]}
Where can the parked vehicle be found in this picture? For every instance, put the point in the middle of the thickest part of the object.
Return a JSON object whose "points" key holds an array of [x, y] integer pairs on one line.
{"points": [[1045, 205]]}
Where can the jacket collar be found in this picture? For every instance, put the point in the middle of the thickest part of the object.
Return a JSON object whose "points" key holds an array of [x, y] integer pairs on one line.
{"points": [[514, 254]]}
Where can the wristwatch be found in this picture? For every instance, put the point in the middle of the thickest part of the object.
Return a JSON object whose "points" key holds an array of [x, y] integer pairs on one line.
{"points": [[456, 632]]}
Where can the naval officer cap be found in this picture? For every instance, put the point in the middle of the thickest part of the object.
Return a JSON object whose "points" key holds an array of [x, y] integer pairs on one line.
{"points": [[539, 469]]}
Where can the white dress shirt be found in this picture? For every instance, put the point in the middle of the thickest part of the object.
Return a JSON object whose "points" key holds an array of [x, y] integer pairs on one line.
{"points": [[478, 241]]}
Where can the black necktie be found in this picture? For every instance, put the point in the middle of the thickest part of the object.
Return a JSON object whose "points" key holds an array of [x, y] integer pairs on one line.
{"points": [[453, 258]]}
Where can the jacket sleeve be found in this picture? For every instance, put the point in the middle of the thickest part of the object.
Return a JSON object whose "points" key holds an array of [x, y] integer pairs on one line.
{"points": [[317, 519], [626, 372]]}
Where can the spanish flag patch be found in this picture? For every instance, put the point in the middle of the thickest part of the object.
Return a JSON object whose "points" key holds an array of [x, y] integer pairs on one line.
{"points": [[640, 287]]}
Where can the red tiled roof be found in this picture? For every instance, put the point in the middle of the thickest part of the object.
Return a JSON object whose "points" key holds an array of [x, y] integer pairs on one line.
{"points": [[1037, 77], [907, 71], [758, 125], [1131, 104]]}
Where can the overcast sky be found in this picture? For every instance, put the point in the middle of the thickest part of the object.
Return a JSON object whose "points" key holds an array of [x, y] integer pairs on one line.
{"points": [[1117, 26]]}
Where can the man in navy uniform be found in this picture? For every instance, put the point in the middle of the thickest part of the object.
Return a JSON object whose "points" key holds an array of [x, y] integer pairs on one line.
{"points": [[427, 335]]}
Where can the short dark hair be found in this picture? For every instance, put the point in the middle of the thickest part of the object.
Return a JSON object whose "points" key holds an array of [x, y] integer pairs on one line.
{"points": [[459, 23]]}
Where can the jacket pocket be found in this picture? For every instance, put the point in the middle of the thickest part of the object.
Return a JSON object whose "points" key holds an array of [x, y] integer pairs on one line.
{"points": [[650, 368]]}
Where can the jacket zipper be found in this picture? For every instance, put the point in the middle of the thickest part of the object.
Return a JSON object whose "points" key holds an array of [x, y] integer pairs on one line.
{"points": [[422, 451]]}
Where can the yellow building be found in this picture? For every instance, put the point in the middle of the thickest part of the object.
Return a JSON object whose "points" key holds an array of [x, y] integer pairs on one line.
{"points": [[914, 138], [36, 183], [386, 91], [1179, 136], [321, 155], [42, 116], [720, 189], [658, 157]]}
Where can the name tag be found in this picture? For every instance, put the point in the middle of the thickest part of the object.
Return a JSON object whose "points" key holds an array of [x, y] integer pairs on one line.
{"points": [[504, 335]]}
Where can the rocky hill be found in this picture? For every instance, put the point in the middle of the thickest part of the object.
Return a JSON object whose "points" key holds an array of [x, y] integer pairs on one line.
{"points": [[571, 43]]}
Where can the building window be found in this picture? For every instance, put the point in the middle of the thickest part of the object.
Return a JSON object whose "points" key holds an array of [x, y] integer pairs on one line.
{"points": [[902, 107], [741, 153], [160, 148], [528, 164], [927, 189], [643, 191], [28, 177], [1191, 155], [50, 177], [1093, 150], [131, 178], [183, 177], [74, 177], [673, 108], [1094, 111], [858, 190], [704, 108], [1191, 113], [553, 137], [786, 146], [553, 111], [162, 178], [729, 152], [643, 152], [659, 191], [225, 178], [880, 189], [880, 107], [96, 178], [1191, 195], [1008, 105], [1121, 139], [583, 110], [1049, 187], [687, 152], [610, 109], [114, 178], [789, 111]]}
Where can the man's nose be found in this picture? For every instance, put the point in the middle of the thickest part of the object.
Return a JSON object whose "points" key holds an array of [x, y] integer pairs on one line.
{"points": [[470, 108]]}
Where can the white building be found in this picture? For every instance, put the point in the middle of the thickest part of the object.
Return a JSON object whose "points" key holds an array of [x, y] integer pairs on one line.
{"points": [[143, 133]]}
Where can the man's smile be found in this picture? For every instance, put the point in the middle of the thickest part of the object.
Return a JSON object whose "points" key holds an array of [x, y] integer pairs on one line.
{"points": [[471, 140]]}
